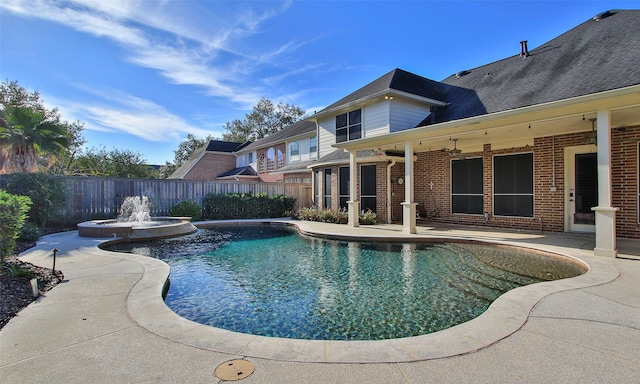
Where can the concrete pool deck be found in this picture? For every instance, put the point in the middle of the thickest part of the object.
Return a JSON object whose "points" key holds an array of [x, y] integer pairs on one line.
{"points": [[107, 324]]}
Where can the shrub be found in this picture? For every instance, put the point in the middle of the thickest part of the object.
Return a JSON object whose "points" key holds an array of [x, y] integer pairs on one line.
{"points": [[336, 216], [246, 206], [13, 213], [30, 232], [187, 209], [368, 217], [47, 193]]}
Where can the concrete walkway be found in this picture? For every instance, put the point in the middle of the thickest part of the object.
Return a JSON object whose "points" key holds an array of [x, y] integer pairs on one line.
{"points": [[107, 324]]}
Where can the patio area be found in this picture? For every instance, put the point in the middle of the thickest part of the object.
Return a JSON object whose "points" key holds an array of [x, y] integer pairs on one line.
{"points": [[107, 323]]}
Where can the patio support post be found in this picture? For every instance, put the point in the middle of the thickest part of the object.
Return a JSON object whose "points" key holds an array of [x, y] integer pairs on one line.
{"points": [[604, 212], [408, 206], [353, 203]]}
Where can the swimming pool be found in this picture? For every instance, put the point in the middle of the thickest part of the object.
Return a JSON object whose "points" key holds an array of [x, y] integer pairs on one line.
{"points": [[271, 281]]}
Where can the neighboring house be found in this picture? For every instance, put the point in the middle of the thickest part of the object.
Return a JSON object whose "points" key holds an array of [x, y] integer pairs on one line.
{"points": [[547, 139], [284, 155], [210, 161]]}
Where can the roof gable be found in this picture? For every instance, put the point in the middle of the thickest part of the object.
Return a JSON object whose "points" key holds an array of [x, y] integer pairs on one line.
{"points": [[396, 80], [240, 171]]}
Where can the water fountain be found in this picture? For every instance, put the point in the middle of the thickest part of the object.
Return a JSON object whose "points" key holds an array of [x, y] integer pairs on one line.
{"points": [[135, 223]]}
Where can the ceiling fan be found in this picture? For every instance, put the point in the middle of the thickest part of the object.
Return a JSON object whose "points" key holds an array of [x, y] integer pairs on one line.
{"points": [[455, 152]]}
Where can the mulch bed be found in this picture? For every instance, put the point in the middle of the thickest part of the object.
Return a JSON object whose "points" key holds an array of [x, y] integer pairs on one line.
{"points": [[15, 283]]}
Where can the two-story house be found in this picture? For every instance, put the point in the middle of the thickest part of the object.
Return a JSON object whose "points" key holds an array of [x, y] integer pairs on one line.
{"points": [[397, 101], [546, 139], [284, 155]]}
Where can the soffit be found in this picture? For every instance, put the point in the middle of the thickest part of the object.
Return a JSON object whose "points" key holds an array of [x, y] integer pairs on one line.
{"points": [[562, 117]]}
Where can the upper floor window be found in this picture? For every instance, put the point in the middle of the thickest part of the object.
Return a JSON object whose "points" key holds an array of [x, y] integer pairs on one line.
{"points": [[349, 126], [280, 163], [313, 145], [294, 149], [249, 157], [271, 159]]}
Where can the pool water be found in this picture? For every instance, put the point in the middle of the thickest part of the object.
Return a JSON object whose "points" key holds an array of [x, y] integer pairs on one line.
{"points": [[271, 281]]}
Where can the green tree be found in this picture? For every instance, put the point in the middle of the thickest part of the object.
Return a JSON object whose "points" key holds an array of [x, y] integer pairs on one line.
{"points": [[47, 192], [31, 136], [66, 164], [112, 163], [265, 119]]}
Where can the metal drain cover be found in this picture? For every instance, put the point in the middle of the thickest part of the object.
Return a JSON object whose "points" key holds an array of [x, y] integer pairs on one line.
{"points": [[234, 370]]}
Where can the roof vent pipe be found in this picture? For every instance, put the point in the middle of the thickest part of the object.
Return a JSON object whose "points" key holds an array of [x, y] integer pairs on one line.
{"points": [[524, 51]]}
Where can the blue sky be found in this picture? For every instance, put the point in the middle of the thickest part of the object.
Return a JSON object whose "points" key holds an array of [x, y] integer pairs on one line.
{"points": [[142, 75]]}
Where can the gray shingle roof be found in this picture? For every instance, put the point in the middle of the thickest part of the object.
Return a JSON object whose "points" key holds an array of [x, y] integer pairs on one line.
{"points": [[341, 156], [593, 57], [295, 129], [225, 146], [295, 167], [213, 146], [240, 171], [399, 80]]}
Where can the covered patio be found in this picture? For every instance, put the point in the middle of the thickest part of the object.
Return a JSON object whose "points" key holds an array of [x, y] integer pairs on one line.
{"points": [[593, 116]]}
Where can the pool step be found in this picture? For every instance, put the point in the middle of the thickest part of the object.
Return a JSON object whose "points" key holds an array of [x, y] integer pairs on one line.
{"points": [[473, 277]]}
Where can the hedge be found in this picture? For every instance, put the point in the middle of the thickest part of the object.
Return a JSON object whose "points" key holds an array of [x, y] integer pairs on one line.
{"points": [[13, 213], [246, 206]]}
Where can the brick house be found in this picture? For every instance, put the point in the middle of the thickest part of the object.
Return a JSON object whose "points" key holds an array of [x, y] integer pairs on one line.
{"points": [[547, 139], [284, 155], [210, 161]]}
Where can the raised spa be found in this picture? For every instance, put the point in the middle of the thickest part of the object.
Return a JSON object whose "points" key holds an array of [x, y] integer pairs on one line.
{"points": [[271, 281]]}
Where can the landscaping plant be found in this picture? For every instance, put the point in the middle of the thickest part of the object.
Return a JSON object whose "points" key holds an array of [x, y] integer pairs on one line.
{"points": [[246, 206], [186, 209], [47, 193], [13, 213]]}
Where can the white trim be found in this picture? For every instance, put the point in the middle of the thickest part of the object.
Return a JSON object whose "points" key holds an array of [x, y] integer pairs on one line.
{"points": [[569, 185], [613, 99]]}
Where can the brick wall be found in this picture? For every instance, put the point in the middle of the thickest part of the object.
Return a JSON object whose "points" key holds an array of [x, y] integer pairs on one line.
{"points": [[624, 173], [549, 204], [210, 166], [433, 184]]}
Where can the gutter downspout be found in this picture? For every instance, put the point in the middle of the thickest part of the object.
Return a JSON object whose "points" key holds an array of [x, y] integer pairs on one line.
{"points": [[389, 193]]}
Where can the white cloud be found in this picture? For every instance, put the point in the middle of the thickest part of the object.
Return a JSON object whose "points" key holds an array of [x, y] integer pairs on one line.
{"points": [[186, 48], [117, 111]]}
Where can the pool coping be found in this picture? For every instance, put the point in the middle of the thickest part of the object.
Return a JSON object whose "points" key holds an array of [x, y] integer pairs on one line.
{"points": [[505, 316]]}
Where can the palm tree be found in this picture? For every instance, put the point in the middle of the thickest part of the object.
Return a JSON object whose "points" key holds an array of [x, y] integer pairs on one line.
{"points": [[26, 136]]}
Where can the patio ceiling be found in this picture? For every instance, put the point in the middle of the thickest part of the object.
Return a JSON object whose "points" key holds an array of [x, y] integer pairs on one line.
{"points": [[513, 128]]}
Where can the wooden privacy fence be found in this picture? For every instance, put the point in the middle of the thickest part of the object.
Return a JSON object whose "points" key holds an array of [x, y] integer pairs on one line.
{"points": [[101, 197]]}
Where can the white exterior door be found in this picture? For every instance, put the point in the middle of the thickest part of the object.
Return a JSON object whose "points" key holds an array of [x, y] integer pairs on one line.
{"points": [[581, 187]]}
